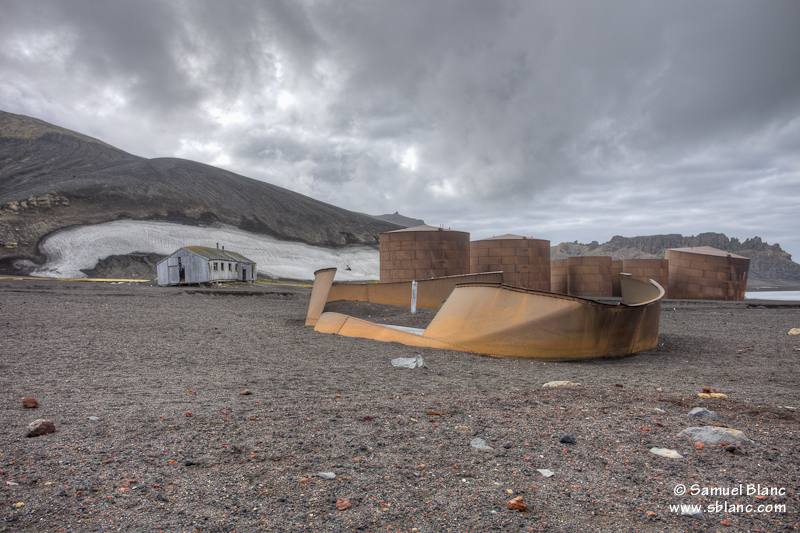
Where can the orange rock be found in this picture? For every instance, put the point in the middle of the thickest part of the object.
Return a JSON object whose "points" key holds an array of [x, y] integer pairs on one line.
{"points": [[30, 403], [343, 504], [725, 523], [699, 445], [761, 497], [434, 413], [516, 504], [191, 393], [189, 414], [650, 513], [246, 392]]}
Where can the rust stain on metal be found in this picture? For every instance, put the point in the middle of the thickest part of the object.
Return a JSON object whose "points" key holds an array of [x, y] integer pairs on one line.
{"points": [[502, 321]]}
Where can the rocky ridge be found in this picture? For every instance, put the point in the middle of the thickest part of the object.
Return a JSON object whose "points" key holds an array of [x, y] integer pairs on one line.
{"points": [[768, 262]]}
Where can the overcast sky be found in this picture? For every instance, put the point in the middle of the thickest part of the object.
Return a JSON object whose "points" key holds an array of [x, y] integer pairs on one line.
{"points": [[560, 120]]}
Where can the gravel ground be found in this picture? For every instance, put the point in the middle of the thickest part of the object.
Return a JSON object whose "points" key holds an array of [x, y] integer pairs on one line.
{"points": [[176, 446]]}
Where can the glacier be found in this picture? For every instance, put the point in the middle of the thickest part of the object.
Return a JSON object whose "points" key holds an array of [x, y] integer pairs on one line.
{"points": [[70, 250]]}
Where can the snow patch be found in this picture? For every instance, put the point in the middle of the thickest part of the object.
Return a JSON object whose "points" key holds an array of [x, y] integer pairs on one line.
{"points": [[81, 247]]}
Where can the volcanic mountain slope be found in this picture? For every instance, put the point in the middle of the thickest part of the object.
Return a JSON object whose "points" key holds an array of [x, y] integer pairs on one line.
{"points": [[52, 178]]}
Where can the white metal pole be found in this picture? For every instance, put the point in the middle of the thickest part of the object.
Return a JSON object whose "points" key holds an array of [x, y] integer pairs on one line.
{"points": [[413, 297]]}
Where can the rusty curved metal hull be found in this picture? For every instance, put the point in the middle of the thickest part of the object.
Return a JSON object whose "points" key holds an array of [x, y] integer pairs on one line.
{"points": [[502, 321]]}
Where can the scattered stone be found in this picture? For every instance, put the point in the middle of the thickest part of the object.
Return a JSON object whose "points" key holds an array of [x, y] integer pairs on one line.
{"points": [[718, 395], [666, 452], [618, 385], [699, 446], [93, 418], [702, 412], [18, 505], [657, 410], [736, 448], [794, 331], [367, 418], [189, 462], [191, 393], [703, 395], [516, 504], [480, 444], [74, 390], [189, 413], [714, 435], [343, 504], [245, 392], [545, 472], [709, 390], [30, 403], [725, 523], [561, 384], [434, 413], [567, 439], [326, 475], [40, 427]]}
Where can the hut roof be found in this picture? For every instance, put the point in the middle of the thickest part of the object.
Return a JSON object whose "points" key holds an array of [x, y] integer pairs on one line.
{"points": [[216, 254]]}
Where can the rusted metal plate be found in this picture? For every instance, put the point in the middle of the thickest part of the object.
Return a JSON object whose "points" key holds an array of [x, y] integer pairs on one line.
{"points": [[502, 321]]}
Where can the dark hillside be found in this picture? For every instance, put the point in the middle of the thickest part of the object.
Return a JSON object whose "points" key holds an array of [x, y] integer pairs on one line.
{"points": [[52, 178]]}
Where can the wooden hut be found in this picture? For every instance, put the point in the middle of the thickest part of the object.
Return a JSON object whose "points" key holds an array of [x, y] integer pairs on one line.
{"points": [[200, 264]]}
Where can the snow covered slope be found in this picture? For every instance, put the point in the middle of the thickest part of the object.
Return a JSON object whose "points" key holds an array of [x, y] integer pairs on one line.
{"points": [[80, 247]]}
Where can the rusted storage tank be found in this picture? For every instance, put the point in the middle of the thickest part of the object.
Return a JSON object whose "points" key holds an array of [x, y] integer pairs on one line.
{"points": [[524, 262], [616, 270], [559, 276], [647, 269], [589, 276], [423, 252], [706, 273]]}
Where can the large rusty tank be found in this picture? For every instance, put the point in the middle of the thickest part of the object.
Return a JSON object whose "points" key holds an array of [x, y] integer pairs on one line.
{"points": [[423, 252], [706, 273], [589, 276], [647, 269], [524, 262], [559, 276]]}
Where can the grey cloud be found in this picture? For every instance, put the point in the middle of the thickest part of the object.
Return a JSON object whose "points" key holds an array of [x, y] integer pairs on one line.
{"points": [[625, 116]]}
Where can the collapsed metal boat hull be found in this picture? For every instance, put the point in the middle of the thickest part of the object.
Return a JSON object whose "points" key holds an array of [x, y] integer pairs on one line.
{"points": [[502, 321]]}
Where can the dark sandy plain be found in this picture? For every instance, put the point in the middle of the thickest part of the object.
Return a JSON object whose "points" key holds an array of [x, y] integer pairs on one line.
{"points": [[175, 446]]}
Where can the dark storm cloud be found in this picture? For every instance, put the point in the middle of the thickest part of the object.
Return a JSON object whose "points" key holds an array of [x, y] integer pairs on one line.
{"points": [[554, 119]]}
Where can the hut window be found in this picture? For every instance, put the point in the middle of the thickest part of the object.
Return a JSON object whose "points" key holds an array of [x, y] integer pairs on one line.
{"points": [[215, 266], [230, 267]]}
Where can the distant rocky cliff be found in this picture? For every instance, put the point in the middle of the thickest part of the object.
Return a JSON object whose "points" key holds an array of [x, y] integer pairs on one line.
{"points": [[768, 263]]}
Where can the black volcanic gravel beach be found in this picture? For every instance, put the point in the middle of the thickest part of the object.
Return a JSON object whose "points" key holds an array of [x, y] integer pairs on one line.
{"points": [[144, 385]]}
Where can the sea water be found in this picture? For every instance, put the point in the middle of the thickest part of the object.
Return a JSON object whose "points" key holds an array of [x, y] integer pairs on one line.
{"points": [[773, 295]]}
